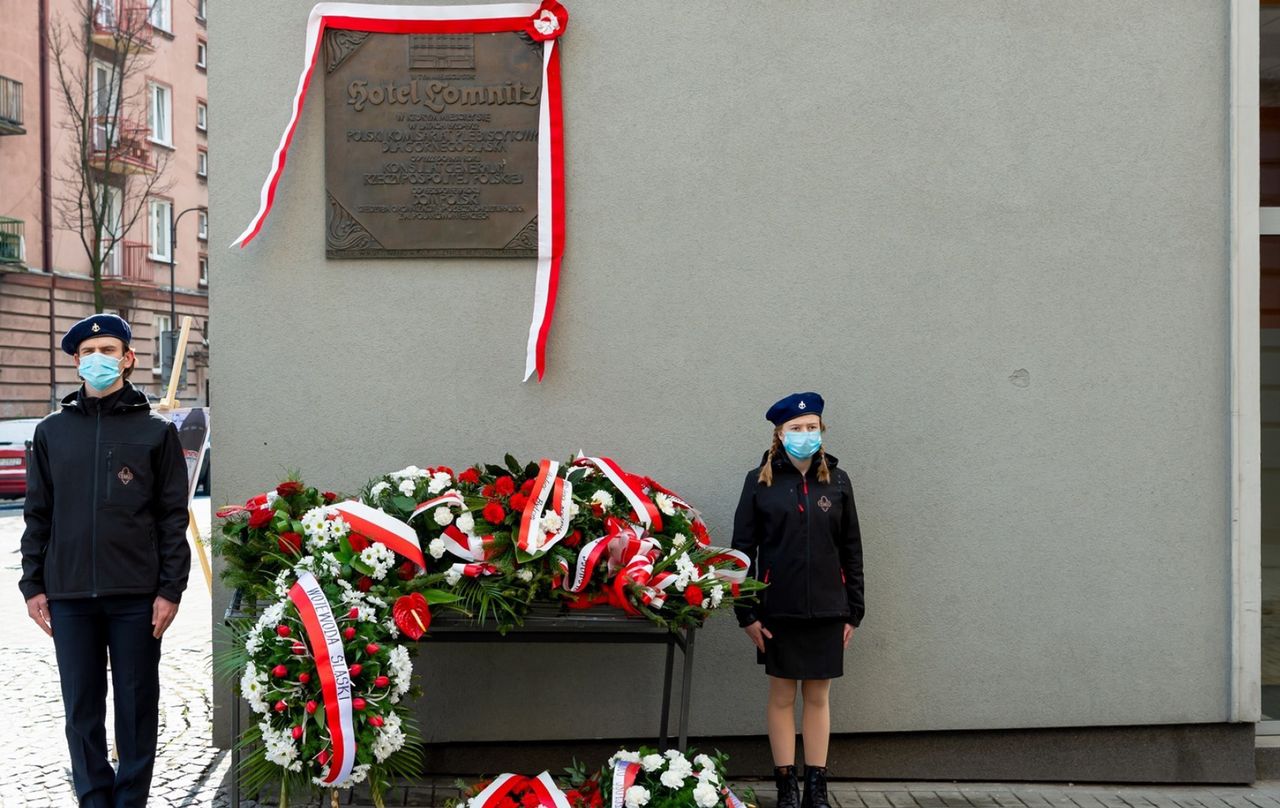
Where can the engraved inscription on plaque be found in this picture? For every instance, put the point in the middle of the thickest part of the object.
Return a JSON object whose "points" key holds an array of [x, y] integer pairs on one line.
{"points": [[431, 144]]}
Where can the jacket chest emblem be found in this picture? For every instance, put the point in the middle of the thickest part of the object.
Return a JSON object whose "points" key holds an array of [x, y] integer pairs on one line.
{"points": [[125, 476], [824, 503]]}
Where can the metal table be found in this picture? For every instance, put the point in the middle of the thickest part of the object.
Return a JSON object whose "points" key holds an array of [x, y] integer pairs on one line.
{"points": [[545, 623]]}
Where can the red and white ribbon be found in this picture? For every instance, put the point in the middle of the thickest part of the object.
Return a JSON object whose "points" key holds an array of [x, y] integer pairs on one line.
{"points": [[731, 799], [544, 786], [468, 547], [548, 488], [324, 636], [631, 486], [544, 22], [624, 777], [474, 570], [383, 528], [451, 499], [736, 573]]}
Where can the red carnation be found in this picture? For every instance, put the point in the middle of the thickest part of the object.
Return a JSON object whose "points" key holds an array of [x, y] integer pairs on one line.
{"points": [[289, 488], [304, 678], [488, 491], [297, 733], [506, 486], [357, 703], [518, 501], [311, 707], [283, 631], [281, 706], [693, 594], [289, 543], [531, 800], [406, 571], [355, 669], [493, 513], [381, 681], [279, 671], [573, 539], [469, 476], [375, 720], [438, 469], [365, 583], [527, 487], [260, 518], [371, 648], [358, 541], [597, 509], [329, 497]]}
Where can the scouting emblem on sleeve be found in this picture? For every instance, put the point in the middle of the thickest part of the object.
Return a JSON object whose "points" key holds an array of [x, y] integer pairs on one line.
{"points": [[824, 504], [125, 476]]}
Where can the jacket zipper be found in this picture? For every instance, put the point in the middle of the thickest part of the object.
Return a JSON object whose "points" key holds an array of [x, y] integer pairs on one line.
{"points": [[110, 485], [808, 540], [93, 538]]}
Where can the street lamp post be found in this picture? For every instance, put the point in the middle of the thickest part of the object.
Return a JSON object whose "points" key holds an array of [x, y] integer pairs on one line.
{"points": [[173, 257]]}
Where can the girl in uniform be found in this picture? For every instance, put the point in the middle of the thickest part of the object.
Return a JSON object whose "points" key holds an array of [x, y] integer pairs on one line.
{"points": [[797, 521]]}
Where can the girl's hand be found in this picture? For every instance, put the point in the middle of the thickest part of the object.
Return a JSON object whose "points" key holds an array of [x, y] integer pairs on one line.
{"points": [[757, 632], [848, 634]]}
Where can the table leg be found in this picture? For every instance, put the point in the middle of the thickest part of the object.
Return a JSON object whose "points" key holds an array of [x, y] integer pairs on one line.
{"points": [[235, 745], [686, 686], [663, 735]]}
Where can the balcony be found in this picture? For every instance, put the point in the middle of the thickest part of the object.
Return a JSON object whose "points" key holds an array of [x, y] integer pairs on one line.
{"points": [[11, 107], [12, 246], [128, 264], [121, 147], [122, 24]]}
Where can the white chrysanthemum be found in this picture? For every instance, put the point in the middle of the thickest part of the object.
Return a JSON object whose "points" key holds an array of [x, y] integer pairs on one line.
{"points": [[717, 595], [378, 489], [664, 503], [283, 582], [280, 747], [253, 686], [604, 498], [380, 559], [551, 522], [705, 795], [466, 523], [439, 481], [525, 575], [331, 565], [436, 547], [651, 763], [443, 516], [360, 773], [407, 487], [679, 540], [401, 669], [637, 796], [390, 625], [574, 510], [388, 738], [452, 576], [672, 779], [253, 643]]}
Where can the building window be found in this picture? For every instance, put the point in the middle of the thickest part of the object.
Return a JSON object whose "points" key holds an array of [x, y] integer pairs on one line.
{"points": [[202, 163], [161, 15], [204, 270], [202, 116], [202, 225], [202, 54], [200, 10], [157, 352], [161, 211], [160, 115]]}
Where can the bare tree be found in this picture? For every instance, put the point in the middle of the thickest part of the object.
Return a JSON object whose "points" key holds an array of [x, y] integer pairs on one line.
{"points": [[111, 171]]}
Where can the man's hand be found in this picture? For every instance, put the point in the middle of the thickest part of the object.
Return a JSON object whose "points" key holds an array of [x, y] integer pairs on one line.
{"points": [[162, 614], [38, 609], [757, 632], [848, 634]]}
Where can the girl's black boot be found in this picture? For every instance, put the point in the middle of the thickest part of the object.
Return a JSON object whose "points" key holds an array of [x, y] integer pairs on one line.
{"points": [[815, 787], [788, 786]]}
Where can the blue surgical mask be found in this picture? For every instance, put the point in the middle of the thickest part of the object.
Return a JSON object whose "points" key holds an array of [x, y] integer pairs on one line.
{"points": [[802, 445], [99, 370]]}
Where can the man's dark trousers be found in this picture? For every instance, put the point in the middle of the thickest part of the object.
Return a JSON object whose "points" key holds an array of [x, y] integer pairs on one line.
{"points": [[85, 631]]}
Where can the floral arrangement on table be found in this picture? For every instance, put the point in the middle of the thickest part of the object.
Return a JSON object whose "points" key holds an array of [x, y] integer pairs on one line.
{"points": [[330, 585]]}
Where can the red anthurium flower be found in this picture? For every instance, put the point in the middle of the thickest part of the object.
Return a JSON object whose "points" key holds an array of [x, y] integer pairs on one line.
{"points": [[371, 648], [230, 510], [357, 541], [357, 703], [381, 681], [260, 518], [297, 733], [312, 707], [693, 594], [506, 486], [469, 476], [289, 543], [289, 488], [349, 633], [304, 678], [412, 615], [279, 671], [493, 513], [283, 631], [256, 502], [355, 669]]}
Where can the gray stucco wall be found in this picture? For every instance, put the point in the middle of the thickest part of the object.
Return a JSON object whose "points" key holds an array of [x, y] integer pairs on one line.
{"points": [[994, 235]]}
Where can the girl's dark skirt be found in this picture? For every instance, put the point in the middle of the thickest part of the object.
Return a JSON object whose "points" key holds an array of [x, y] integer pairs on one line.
{"points": [[803, 649]]}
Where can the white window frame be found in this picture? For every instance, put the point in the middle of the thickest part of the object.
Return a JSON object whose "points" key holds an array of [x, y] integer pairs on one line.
{"points": [[202, 225], [160, 15], [113, 263], [204, 270], [202, 116], [202, 54], [157, 355], [202, 163], [160, 108], [201, 10], [159, 214]]}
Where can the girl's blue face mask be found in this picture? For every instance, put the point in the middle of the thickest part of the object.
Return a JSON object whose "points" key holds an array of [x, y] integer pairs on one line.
{"points": [[802, 445], [99, 370]]}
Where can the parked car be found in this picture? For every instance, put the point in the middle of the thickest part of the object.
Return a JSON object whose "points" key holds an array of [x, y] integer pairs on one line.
{"points": [[15, 434]]}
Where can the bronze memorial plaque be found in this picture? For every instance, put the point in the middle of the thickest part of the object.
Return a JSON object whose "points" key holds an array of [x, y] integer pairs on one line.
{"points": [[431, 144]]}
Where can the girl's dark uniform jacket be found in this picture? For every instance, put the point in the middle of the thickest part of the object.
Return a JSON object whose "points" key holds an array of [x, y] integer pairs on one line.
{"points": [[803, 540]]}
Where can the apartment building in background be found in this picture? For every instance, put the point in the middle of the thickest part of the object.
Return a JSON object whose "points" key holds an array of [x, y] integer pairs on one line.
{"points": [[45, 273]]}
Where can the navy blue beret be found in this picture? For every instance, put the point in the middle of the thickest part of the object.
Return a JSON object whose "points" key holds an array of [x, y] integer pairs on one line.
{"points": [[793, 406], [97, 325]]}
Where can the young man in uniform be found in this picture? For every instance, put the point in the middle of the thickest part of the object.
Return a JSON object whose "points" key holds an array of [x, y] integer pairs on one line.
{"points": [[105, 558]]}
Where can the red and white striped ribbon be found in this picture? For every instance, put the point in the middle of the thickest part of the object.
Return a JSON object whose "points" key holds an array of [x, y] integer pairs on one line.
{"points": [[450, 498], [324, 636], [735, 574], [547, 19], [631, 487], [548, 488], [624, 777], [469, 548], [474, 569], [384, 529], [731, 799], [544, 786]]}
